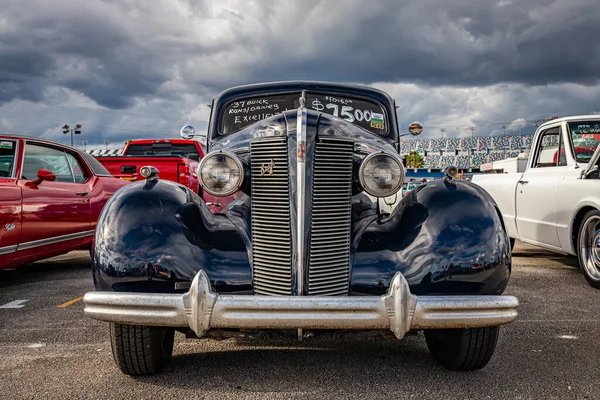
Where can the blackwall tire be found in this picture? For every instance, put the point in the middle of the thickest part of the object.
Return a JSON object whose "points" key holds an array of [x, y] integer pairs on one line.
{"points": [[462, 349], [588, 247], [141, 350]]}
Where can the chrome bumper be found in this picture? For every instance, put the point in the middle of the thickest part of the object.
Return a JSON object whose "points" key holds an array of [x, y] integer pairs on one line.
{"points": [[399, 310]]}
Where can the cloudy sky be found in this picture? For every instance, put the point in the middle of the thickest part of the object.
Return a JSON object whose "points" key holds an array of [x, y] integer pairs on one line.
{"points": [[133, 69]]}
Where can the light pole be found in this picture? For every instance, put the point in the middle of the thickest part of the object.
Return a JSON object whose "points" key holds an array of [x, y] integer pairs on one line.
{"points": [[106, 144], [84, 142], [442, 130], [472, 129], [77, 130]]}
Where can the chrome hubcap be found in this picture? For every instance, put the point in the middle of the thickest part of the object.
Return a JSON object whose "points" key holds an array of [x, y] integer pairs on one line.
{"points": [[589, 243]]}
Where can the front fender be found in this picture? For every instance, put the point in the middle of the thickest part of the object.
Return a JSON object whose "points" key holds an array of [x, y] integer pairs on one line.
{"points": [[154, 234], [446, 237]]}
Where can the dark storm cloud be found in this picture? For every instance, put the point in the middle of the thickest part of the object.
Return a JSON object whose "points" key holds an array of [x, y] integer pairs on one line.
{"points": [[114, 52], [96, 48], [447, 63], [23, 73], [439, 43]]}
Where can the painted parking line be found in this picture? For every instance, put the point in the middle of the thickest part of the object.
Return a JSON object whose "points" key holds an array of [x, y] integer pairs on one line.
{"points": [[14, 304], [68, 303]]}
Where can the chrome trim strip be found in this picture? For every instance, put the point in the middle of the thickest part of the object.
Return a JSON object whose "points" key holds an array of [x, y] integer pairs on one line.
{"points": [[301, 194], [16, 159], [56, 239], [7, 250], [202, 309], [241, 150]]}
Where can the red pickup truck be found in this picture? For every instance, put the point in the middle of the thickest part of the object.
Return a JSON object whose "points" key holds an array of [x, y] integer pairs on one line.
{"points": [[176, 160]]}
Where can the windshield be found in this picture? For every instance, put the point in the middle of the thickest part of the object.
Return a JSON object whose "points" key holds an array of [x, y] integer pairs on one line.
{"points": [[364, 113], [585, 135]]}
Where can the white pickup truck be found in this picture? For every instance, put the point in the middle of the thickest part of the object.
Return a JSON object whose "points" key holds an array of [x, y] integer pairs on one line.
{"points": [[555, 203]]}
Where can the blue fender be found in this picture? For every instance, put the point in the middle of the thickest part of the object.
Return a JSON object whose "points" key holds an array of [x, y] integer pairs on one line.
{"points": [[446, 237], [153, 235]]}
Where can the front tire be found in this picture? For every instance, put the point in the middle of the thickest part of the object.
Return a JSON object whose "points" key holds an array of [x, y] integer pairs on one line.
{"points": [[588, 248], [141, 350], [462, 349]]}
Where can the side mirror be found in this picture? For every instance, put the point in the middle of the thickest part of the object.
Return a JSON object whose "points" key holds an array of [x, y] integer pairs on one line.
{"points": [[415, 128], [44, 175], [187, 132]]}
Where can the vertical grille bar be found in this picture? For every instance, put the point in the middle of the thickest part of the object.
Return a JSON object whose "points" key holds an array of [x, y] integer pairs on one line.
{"points": [[329, 262], [271, 231]]}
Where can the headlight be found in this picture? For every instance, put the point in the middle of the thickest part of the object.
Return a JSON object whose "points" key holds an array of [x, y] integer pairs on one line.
{"points": [[381, 174], [221, 173]]}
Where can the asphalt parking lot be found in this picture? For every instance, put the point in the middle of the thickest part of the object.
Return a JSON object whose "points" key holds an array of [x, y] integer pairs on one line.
{"points": [[48, 349]]}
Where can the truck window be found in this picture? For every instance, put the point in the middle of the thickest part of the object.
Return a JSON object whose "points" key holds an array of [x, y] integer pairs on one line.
{"points": [[585, 136], [550, 150], [7, 158], [164, 149]]}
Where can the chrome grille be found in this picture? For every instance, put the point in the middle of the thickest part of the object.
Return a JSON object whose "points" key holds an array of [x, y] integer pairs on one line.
{"points": [[271, 233], [329, 255]]}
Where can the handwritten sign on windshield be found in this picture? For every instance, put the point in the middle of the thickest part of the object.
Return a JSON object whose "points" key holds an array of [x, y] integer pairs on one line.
{"points": [[365, 114], [241, 113]]}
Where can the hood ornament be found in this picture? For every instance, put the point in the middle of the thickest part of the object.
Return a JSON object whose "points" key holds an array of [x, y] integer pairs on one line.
{"points": [[267, 169]]}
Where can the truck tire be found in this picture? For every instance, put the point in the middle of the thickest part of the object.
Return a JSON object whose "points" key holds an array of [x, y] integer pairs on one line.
{"points": [[141, 350], [462, 349], [588, 247]]}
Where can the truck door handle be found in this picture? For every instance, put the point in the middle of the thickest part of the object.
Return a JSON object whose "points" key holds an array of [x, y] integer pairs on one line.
{"points": [[523, 182], [82, 194]]}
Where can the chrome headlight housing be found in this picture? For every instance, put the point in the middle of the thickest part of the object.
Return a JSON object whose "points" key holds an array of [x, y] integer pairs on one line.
{"points": [[220, 173], [381, 174]]}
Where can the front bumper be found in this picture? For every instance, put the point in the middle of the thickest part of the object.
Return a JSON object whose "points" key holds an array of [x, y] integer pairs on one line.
{"points": [[201, 309]]}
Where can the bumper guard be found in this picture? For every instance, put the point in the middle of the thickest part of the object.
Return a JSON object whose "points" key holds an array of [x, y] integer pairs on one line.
{"points": [[201, 309]]}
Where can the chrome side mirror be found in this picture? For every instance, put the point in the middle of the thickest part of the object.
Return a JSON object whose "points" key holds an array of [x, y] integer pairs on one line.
{"points": [[415, 128], [187, 132]]}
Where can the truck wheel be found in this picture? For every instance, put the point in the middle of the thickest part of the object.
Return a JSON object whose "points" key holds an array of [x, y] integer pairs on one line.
{"points": [[462, 349], [141, 350], [512, 244], [588, 248]]}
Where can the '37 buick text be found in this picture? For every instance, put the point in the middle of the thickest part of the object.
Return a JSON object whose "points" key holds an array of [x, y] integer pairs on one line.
{"points": [[305, 246]]}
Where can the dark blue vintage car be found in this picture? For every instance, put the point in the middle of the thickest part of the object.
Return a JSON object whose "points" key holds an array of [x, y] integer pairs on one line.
{"points": [[304, 247]]}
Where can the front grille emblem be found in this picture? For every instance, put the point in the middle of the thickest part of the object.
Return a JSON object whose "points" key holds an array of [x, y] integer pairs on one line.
{"points": [[267, 169]]}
